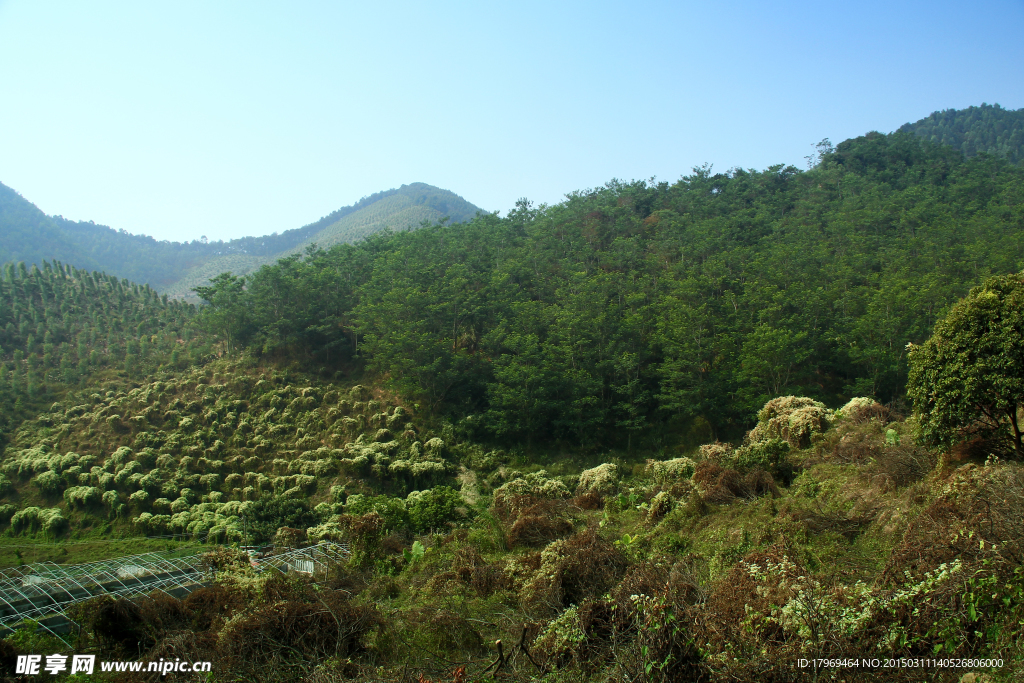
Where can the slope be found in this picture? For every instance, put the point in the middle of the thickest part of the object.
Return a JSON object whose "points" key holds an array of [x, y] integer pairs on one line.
{"points": [[986, 129], [406, 208], [63, 327]]}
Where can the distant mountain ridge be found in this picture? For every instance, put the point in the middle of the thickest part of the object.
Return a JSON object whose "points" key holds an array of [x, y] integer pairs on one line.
{"points": [[988, 129], [28, 234]]}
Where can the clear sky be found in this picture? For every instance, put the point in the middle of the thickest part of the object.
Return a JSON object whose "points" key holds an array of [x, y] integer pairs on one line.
{"points": [[180, 119]]}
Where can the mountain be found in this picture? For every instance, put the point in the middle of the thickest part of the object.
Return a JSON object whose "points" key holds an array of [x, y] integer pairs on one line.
{"points": [[986, 129], [405, 208], [519, 426], [27, 234]]}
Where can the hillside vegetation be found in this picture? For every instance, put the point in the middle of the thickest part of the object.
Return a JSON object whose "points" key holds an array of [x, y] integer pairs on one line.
{"points": [[988, 129], [654, 315], [27, 234], [658, 432], [63, 327]]}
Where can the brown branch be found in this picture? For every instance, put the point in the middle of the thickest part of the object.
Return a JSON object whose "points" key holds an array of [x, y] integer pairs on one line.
{"points": [[522, 646], [500, 661]]}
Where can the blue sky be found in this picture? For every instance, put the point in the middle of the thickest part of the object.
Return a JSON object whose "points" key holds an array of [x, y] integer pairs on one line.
{"points": [[181, 119]]}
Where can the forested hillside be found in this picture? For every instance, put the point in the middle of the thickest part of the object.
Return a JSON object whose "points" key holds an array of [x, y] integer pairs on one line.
{"points": [[988, 128], [62, 327], [27, 234], [652, 312], [660, 432]]}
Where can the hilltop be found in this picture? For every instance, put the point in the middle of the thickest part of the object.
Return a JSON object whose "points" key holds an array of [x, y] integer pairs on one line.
{"points": [[988, 129], [27, 234]]}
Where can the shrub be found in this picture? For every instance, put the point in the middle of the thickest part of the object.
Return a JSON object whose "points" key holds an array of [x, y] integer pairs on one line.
{"points": [[210, 482], [667, 471], [573, 570], [49, 483], [856, 406], [434, 508], [121, 455], [790, 418], [139, 500], [25, 520], [535, 484], [121, 478], [268, 514], [83, 497], [769, 455], [50, 520], [392, 511], [717, 484], [53, 523], [601, 479], [539, 524]]}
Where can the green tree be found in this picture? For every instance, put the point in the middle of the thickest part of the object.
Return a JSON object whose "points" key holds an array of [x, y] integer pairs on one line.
{"points": [[968, 378], [226, 310]]}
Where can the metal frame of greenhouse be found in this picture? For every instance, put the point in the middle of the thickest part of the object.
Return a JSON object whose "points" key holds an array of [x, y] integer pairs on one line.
{"points": [[42, 591]]}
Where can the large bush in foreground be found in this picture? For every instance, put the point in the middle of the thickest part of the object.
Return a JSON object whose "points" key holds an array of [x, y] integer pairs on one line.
{"points": [[968, 379]]}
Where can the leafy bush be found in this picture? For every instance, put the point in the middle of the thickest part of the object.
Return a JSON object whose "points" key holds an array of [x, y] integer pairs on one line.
{"points": [[266, 515], [666, 471], [601, 479], [50, 520], [139, 500], [392, 511], [49, 483], [791, 418], [83, 496], [434, 508], [769, 455]]}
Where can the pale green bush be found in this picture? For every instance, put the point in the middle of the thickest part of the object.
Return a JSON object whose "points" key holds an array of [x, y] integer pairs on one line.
{"points": [[328, 531], [121, 455], [536, 484], [793, 419], [50, 520], [601, 479], [111, 499], [49, 483], [139, 500], [82, 497], [854, 406], [666, 471]]}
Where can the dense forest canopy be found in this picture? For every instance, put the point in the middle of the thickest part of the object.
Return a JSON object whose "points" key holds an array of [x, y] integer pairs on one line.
{"points": [[988, 129], [654, 310]]}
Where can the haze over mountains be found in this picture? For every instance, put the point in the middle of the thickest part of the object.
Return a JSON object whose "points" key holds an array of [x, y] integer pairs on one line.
{"points": [[27, 234]]}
